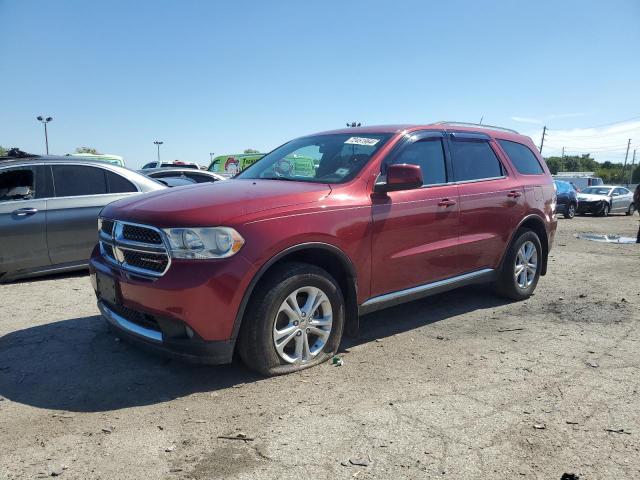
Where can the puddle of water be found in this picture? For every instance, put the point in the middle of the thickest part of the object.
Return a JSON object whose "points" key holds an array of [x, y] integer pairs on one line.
{"points": [[611, 238]]}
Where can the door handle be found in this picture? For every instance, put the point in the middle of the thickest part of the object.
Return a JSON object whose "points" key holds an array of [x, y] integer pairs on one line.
{"points": [[514, 194], [23, 212], [445, 202]]}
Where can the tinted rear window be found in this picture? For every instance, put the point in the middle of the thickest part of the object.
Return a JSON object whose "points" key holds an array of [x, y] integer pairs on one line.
{"points": [[474, 160], [119, 184], [76, 180], [522, 158]]}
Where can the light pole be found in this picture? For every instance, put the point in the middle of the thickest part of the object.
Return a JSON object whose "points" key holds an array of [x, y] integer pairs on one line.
{"points": [[44, 121], [157, 143], [211, 155]]}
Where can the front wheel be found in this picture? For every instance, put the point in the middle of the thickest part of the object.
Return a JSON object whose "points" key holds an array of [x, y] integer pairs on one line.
{"points": [[294, 321], [604, 210], [570, 212], [521, 267]]}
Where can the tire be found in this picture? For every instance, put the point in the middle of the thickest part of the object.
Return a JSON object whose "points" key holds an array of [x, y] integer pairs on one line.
{"points": [[632, 209], [509, 283], [604, 211], [267, 314], [570, 212]]}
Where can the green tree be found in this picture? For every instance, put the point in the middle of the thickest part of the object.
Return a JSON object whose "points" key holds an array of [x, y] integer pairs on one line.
{"points": [[555, 164], [635, 177], [90, 150], [251, 150], [3, 151]]}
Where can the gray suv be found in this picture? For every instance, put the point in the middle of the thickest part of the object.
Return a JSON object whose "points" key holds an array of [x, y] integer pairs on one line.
{"points": [[49, 208]]}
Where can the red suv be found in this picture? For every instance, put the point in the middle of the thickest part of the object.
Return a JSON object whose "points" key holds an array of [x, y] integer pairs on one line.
{"points": [[282, 259]]}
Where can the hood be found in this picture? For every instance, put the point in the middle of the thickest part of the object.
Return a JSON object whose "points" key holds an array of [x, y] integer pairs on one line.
{"points": [[589, 197], [219, 203]]}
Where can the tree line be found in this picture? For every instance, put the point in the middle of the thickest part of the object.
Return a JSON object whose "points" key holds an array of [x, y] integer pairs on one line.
{"points": [[608, 171]]}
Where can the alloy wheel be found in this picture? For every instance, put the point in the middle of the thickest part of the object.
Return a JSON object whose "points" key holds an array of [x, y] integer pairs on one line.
{"points": [[302, 325], [526, 265]]}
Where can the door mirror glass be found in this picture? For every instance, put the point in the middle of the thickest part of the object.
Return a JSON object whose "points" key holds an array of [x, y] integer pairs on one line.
{"points": [[401, 177]]}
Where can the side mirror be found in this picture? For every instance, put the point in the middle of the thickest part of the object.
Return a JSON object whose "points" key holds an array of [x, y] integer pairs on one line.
{"points": [[401, 177]]}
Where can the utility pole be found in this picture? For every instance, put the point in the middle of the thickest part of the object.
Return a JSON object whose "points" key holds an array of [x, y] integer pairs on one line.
{"points": [[44, 121], [624, 167], [211, 157], [158, 145], [633, 163], [544, 132], [562, 152]]}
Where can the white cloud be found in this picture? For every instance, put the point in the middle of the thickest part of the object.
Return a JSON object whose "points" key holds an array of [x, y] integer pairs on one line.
{"points": [[527, 120], [607, 142]]}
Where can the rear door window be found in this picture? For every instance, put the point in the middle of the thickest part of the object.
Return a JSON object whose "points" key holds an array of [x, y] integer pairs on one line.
{"points": [[77, 180], [474, 160], [17, 183], [522, 158], [118, 184]]}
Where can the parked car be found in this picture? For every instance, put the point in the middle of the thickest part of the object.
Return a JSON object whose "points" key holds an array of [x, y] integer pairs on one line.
{"points": [[101, 157], [181, 176], [579, 180], [606, 199], [277, 263], [49, 209], [174, 164], [230, 165], [567, 201]]}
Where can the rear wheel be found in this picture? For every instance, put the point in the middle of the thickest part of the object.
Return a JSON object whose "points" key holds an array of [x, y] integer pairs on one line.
{"points": [[632, 209], [571, 211], [521, 267], [294, 321]]}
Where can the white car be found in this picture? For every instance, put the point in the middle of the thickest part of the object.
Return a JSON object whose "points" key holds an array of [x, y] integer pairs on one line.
{"points": [[605, 199], [174, 164]]}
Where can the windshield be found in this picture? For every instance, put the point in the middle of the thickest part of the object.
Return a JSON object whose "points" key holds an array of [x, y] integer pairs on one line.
{"points": [[563, 187], [597, 190], [333, 158]]}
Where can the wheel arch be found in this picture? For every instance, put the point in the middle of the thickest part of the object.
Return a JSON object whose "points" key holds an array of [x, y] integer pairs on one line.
{"points": [[323, 255], [536, 224]]}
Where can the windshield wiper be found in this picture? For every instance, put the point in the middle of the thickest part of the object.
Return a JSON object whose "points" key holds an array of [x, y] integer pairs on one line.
{"points": [[279, 178]]}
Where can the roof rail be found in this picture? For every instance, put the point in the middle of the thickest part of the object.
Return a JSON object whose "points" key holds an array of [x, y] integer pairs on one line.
{"points": [[479, 125]]}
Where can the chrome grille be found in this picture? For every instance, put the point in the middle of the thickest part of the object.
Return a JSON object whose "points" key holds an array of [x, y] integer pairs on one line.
{"points": [[136, 248], [141, 234]]}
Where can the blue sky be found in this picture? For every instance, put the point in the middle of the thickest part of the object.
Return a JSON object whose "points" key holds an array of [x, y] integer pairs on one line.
{"points": [[206, 76]]}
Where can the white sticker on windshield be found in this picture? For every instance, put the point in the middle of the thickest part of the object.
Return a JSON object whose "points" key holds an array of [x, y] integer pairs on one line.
{"points": [[362, 141]]}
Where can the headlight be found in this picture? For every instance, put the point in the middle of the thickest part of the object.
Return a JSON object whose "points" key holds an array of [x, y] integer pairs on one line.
{"points": [[202, 243]]}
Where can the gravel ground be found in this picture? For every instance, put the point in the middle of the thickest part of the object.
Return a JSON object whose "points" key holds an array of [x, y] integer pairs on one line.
{"points": [[462, 385]]}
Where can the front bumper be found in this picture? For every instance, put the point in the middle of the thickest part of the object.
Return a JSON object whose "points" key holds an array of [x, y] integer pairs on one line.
{"points": [[590, 207], [192, 350], [189, 312]]}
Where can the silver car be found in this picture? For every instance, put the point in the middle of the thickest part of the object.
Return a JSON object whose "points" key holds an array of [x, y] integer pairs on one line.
{"points": [[49, 208], [605, 199]]}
